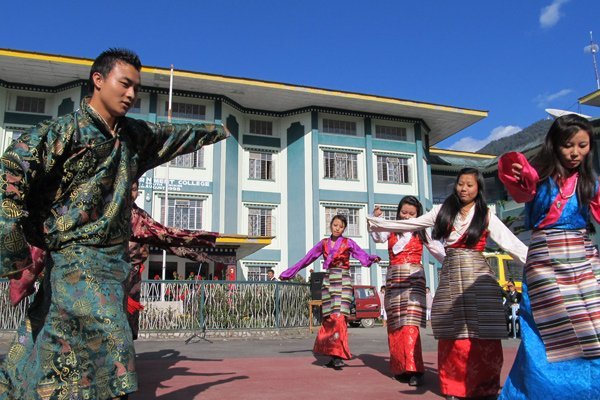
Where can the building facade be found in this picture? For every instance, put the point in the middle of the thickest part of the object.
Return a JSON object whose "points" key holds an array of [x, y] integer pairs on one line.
{"points": [[296, 157]]}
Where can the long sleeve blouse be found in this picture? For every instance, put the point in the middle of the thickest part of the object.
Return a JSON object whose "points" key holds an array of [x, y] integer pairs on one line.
{"points": [[499, 233], [550, 203], [434, 246], [339, 255]]}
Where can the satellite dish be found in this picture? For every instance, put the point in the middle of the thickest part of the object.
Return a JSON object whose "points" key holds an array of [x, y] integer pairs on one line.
{"points": [[555, 112]]}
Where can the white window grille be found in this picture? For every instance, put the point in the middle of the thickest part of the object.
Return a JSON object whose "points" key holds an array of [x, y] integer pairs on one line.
{"points": [[258, 127], [383, 273], [190, 160], [356, 274], [390, 132], [389, 214], [184, 213], [186, 110], [340, 127], [136, 108], [340, 165], [351, 214], [261, 166], [260, 222], [393, 169], [31, 104], [258, 273]]}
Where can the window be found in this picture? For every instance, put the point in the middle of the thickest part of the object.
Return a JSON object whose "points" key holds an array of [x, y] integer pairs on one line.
{"points": [[513, 271], [136, 108], [184, 213], [339, 127], [392, 169], [493, 262], [186, 110], [11, 134], [31, 104], [351, 214], [190, 160], [383, 274], [389, 214], [342, 166], [356, 275], [258, 273], [260, 222], [155, 269], [258, 127], [390, 132], [261, 166]]}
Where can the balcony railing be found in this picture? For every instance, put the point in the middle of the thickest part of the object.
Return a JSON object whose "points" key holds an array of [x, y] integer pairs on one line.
{"points": [[193, 306]]}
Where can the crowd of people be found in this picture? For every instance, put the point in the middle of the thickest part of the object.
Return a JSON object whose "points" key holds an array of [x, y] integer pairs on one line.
{"points": [[68, 214]]}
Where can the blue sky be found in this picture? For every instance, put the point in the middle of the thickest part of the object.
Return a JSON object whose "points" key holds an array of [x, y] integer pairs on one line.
{"points": [[512, 58]]}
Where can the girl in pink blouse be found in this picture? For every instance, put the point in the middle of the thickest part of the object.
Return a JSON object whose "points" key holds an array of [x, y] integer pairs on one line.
{"points": [[332, 339]]}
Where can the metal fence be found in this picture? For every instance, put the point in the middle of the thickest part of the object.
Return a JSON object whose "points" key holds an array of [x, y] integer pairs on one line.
{"points": [[192, 306]]}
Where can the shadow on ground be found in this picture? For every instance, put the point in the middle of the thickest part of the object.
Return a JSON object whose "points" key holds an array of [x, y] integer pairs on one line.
{"points": [[156, 368], [382, 365]]}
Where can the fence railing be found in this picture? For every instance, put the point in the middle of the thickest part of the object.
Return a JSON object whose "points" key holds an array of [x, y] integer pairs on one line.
{"points": [[192, 306]]}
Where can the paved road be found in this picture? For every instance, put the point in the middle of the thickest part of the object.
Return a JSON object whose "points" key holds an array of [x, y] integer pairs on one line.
{"points": [[278, 368]]}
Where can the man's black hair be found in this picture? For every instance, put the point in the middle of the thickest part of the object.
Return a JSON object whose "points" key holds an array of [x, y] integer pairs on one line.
{"points": [[105, 62]]}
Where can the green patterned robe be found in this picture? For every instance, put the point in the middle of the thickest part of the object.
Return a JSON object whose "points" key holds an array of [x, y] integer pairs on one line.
{"points": [[65, 186]]}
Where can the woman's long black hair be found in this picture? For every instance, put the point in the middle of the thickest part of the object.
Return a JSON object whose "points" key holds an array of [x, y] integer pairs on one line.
{"points": [[452, 206], [547, 160], [413, 201]]}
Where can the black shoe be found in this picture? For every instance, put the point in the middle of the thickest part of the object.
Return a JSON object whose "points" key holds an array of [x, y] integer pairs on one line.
{"points": [[416, 380], [338, 364], [404, 378], [331, 363]]}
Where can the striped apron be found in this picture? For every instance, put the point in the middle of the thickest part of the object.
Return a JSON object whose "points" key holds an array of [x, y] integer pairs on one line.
{"points": [[468, 301], [563, 278], [405, 296], [337, 291]]}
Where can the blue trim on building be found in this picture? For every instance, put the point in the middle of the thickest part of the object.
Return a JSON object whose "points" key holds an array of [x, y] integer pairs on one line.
{"points": [[392, 145], [296, 185], [250, 196], [370, 184], [153, 105], [231, 172], [24, 118], [387, 199], [266, 141], [314, 133], [264, 255], [217, 148], [343, 196], [420, 172], [341, 140]]}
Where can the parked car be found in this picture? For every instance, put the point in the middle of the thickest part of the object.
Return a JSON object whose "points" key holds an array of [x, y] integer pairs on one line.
{"points": [[366, 307], [505, 268]]}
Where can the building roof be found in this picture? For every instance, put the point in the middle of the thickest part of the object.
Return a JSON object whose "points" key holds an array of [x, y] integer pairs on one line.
{"points": [[51, 70], [452, 160], [592, 99]]}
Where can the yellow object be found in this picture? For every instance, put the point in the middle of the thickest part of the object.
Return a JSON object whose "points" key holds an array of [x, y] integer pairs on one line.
{"points": [[505, 268]]}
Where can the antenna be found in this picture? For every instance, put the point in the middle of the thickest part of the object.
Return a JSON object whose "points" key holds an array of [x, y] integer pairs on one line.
{"points": [[593, 48]]}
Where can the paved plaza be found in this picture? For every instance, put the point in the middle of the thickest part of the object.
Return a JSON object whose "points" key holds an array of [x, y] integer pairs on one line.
{"points": [[278, 368]]}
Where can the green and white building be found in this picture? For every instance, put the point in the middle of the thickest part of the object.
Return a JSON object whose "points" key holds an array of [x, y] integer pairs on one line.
{"points": [[297, 156]]}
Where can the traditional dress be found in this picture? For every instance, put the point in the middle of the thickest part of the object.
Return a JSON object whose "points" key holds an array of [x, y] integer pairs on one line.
{"points": [[467, 314], [337, 296], [404, 301], [559, 355], [145, 231], [65, 186]]}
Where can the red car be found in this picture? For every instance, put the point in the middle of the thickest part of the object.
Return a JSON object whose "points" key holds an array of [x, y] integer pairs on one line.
{"points": [[366, 307]]}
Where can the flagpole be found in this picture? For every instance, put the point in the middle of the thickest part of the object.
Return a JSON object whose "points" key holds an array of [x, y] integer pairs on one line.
{"points": [[166, 221]]}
